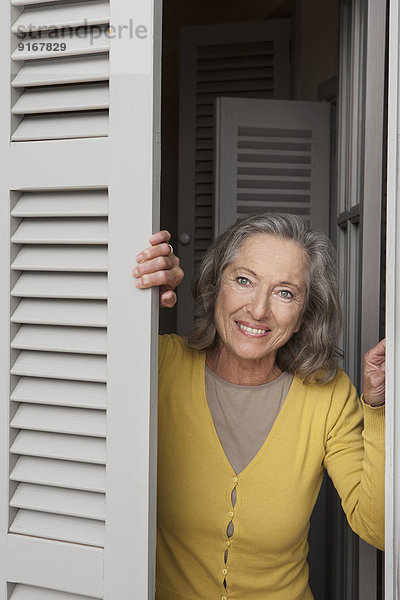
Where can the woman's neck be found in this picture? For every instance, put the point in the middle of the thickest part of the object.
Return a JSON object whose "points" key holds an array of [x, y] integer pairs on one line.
{"points": [[241, 371]]}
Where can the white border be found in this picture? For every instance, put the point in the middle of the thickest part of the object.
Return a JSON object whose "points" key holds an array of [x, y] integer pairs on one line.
{"points": [[392, 482]]}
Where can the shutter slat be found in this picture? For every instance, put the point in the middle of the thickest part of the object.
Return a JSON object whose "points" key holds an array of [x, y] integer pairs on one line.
{"points": [[266, 180], [60, 419], [276, 170], [60, 473], [92, 96], [78, 69], [223, 74], [59, 527], [81, 14], [60, 392], [51, 338], [24, 2], [57, 127], [76, 44], [272, 205], [273, 191], [92, 203], [61, 258], [245, 49], [44, 498], [60, 446], [57, 365], [61, 231], [274, 156], [235, 62], [62, 285], [28, 592], [221, 87], [86, 313]]}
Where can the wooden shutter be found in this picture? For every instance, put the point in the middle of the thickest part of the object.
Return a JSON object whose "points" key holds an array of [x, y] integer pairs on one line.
{"points": [[79, 129], [272, 155], [59, 98], [238, 59]]}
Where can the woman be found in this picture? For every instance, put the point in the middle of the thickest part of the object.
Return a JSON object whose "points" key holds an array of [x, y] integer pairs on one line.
{"points": [[251, 408]]}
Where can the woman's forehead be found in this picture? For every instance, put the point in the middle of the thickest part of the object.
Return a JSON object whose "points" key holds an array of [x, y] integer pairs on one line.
{"points": [[266, 245], [269, 255]]}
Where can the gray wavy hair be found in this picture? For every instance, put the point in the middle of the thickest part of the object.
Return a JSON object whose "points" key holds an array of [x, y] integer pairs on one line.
{"points": [[312, 352]]}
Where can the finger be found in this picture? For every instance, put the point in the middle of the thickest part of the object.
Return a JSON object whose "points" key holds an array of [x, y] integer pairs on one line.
{"points": [[379, 349], [159, 237], [161, 263], [167, 299], [153, 251], [377, 353], [170, 278]]}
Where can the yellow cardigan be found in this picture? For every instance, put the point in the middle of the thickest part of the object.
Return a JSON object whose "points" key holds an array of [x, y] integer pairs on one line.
{"points": [[318, 426]]}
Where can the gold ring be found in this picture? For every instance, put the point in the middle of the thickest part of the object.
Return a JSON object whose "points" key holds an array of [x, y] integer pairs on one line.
{"points": [[171, 250]]}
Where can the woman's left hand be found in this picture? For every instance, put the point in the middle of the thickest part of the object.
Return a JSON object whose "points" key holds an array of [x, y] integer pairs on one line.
{"points": [[158, 266], [374, 375]]}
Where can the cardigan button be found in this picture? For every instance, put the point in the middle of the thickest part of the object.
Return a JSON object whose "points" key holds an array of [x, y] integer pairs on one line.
{"points": [[224, 598], [230, 514], [234, 479], [224, 571], [227, 543]]}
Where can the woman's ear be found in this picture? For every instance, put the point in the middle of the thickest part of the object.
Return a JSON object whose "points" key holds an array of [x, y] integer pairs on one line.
{"points": [[298, 326]]}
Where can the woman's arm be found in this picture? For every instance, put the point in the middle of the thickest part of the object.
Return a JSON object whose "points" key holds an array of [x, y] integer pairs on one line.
{"points": [[158, 266], [355, 449]]}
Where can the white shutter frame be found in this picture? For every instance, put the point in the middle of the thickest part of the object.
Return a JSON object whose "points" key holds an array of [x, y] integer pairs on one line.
{"points": [[127, 164], [279, 118], [392, 467], [134, 141]]}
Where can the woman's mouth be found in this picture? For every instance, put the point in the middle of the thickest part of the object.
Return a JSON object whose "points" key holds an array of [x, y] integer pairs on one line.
{"points": [[253, 331]]}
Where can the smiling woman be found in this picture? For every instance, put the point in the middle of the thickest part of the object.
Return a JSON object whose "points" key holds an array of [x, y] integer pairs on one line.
{"points": [[294, 261], [252, 408]]}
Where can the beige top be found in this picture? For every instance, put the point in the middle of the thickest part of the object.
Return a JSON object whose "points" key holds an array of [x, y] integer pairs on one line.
{"points": [[243, 415]]}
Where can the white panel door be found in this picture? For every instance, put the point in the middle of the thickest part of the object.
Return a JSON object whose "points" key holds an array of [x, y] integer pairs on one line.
{"points": [[79, 135], [272, 155]]}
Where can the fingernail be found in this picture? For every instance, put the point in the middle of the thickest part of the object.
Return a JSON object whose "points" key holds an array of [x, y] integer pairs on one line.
{"points": [[154, 237], [135, 273], [138, 283], [139, 258]]}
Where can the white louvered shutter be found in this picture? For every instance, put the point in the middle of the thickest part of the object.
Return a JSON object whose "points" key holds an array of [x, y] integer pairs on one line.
{"points": [[250, 59], [79, 135], [272, 155]]}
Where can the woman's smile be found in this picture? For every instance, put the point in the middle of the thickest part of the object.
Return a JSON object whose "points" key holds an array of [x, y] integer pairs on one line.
{"points": [[252, 329]]}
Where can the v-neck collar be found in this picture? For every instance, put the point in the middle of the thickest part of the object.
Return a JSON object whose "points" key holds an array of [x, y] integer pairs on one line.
{"points": [[276, 425]]}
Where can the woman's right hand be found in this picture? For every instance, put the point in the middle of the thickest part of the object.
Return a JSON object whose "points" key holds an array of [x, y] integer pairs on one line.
{"points": [[157, 266]]}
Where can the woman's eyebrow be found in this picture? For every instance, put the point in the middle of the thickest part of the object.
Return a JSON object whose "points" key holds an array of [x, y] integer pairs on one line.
{"points": [[291, 285], [237, 269]]}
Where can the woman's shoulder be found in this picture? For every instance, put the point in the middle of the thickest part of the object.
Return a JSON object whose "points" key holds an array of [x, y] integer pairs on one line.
{"points": [[317, 381], [336, 392], [173, 347]]}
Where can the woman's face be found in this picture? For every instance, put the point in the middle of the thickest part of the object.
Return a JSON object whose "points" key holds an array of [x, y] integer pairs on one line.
{"points": [[261, 298]]}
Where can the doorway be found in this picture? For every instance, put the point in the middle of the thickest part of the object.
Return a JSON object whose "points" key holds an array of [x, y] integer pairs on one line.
{"points": [[274, 50]]}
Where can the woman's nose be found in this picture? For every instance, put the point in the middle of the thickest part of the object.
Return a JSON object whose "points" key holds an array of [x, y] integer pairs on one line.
{"points": [[260, 306]]}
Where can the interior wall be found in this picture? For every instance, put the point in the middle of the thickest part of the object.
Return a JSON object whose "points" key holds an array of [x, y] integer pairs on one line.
{"points": [[315, 57]]}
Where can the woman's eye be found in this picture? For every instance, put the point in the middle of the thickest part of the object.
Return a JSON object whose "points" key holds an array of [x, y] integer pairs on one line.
{"points": [[286, 294], [242, 281]]}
